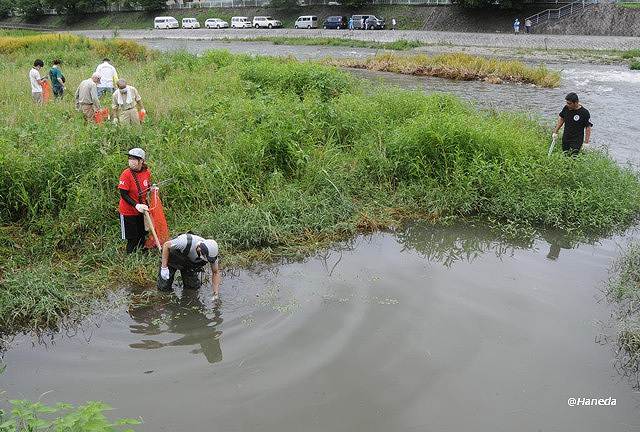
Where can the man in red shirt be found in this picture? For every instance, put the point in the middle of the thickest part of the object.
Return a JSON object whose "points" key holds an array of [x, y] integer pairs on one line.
{"points": [[135, 182]]}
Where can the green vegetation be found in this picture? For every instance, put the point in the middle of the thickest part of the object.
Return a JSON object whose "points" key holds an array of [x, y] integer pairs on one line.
{"points": [[629, 54], [27, 416], [399, 45], [634, 56], [624, 289], [629, 5], [458, 66], [271, 157]]}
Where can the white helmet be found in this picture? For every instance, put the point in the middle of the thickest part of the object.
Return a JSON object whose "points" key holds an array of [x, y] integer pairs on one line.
{"points": [[137, 152]]}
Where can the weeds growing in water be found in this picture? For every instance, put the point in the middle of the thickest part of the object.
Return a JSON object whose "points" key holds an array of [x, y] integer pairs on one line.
{"points": [[624, 289], [457, 66], [27, 416], [271, 157]]}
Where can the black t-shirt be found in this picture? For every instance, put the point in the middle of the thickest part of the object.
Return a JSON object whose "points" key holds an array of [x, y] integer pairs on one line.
{"points": [[575, 121]]}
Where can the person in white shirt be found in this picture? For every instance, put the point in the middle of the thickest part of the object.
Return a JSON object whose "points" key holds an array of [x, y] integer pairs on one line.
{"points": [[36, 81], [108, 77]]}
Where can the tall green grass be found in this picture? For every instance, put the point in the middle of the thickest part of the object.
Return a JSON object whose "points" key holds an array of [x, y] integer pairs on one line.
{"points": [[270, 157]]}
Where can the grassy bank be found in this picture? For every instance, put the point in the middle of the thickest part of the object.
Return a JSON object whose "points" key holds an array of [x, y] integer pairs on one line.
{"points": [[458, 66], [624, 290], [408, 17], [271, 157], [399, 45]]}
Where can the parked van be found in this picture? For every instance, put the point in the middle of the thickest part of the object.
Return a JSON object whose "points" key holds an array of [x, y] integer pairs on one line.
{"points": [[359, 22], [190, 23], [266, 22], [335, 22], [306, 21], [165, 22], [240, 22]]}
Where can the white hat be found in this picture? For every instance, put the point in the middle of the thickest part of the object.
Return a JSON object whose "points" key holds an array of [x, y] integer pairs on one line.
{"points": [[137, 152], [210, 249]]}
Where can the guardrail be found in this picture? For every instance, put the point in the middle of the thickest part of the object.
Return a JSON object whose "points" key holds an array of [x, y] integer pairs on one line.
{"points": [[10, 26], [560, 13]]}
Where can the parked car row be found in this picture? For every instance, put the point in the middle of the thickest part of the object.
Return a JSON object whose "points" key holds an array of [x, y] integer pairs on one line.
{"points": [[358, 22]]}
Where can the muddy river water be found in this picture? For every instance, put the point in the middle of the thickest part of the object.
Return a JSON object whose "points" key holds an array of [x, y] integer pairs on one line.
{"points": [[424, 329]]}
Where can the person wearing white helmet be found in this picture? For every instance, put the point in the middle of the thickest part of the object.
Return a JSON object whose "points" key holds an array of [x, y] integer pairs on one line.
{"points": [[189, 253], [134, 184]]}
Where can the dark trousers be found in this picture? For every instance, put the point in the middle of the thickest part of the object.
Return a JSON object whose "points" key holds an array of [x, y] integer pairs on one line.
{"points": [[189, 273], [571, 148], [190, 279], [133, 230]]}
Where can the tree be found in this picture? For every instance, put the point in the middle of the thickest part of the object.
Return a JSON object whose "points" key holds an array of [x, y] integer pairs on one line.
{"points": [[75, 7], [285, 4], [151, 4], [30, 9], [495, 4], [6, 7], [354, 4]]}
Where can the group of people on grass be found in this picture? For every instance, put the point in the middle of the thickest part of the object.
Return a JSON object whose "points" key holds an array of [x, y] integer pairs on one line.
{"points": [[126, 102]]}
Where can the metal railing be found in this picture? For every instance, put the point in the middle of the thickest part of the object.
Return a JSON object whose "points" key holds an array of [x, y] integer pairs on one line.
{"points": [[11, 26], [560, 13]]}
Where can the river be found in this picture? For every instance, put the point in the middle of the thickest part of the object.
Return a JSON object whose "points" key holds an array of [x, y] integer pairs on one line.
{"points": [[427, 328]]}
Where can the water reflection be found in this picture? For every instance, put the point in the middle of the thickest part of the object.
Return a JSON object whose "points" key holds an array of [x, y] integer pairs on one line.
{"points": [[186, 317], [448, 245]]}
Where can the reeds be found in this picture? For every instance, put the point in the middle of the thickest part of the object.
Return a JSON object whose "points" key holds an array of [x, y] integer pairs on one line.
{"points": [[456, 66]]}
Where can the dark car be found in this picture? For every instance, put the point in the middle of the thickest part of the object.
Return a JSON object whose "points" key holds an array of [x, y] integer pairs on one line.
{"points": [[374, 23], [335, 22]]}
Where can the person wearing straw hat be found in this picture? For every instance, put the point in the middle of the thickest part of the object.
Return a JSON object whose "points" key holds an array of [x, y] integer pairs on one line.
{"points": [[189, 253], [126, 102], [134, 183]]}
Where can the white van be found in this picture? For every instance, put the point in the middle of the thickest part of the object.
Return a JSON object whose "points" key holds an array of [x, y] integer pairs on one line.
{"points": [[306, 21], [166, 22], [190, 23], [266, 22], [240, 22]]}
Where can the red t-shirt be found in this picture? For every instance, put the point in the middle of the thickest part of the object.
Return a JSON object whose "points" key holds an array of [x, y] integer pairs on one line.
{"points": [[129, 184]]}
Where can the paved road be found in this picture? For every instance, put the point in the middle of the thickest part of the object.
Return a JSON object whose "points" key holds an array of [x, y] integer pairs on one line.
{"points": [[499, 40]]}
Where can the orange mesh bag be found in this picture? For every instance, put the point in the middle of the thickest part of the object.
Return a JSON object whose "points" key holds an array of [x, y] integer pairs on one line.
{"points": [[156, 212], [46, 91], [101, 115]]}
